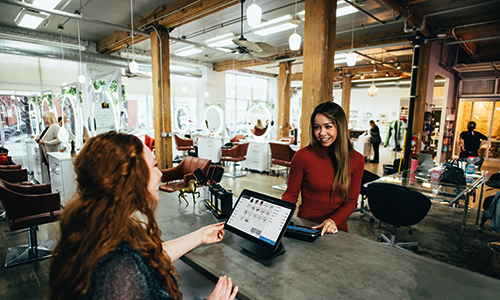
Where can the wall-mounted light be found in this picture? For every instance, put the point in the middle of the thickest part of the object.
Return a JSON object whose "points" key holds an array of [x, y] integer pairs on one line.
{"points": [[254, 14], [29, 19]]}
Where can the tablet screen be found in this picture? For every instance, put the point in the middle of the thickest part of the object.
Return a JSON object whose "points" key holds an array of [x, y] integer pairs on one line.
{"points": [[260, 218]]}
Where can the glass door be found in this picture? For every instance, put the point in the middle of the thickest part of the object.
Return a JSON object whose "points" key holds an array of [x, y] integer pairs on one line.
{"points": [[486, 114]]}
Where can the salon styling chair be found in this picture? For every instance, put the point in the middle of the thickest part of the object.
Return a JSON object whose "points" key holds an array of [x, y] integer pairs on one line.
{"points": [[367, 177], [237, 138], [183, 145], [398, 206], [281, 155], [182, 173], [236, 154], [27, 207], [15, 175]]}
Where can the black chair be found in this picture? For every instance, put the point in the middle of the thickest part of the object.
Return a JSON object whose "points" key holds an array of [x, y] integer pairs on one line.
{"points": [[494, 181], [398, 206], [486, 216], [367, 177]]}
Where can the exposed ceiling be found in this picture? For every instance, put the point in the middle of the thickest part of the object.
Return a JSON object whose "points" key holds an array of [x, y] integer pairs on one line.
{"points": [[382, 29]]}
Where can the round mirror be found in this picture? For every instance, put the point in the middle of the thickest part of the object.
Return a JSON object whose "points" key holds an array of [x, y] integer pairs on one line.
{"points": [[259, 119], [182, 118], [213, 120]]}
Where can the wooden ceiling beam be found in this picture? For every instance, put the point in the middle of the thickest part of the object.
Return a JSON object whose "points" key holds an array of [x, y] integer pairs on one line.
{"points": [[411, 13], [170, 15], [388, 37]]}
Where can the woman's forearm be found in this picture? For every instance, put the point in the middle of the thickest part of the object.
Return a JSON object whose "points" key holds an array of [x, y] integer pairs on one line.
{"points": [[180, 246]]}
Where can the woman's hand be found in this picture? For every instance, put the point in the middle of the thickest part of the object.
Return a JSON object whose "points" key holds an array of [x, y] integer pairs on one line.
{"points": [[212, 233], [328, 226], [223, 289], [41, 142]]}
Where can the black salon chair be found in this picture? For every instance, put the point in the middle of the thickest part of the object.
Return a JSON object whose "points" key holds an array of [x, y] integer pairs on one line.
{"points": [[367, 177], [494, 181], [398, 206]]}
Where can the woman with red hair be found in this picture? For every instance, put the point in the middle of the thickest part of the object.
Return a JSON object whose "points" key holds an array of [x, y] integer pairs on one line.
{"points": [[110, 245]]}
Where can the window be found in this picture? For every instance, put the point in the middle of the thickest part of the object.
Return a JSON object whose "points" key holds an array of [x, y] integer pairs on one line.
{"points": [[242, 92]]}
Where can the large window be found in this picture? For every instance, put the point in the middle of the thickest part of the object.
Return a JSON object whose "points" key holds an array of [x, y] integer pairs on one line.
{"points": [[15, 119], [242, 91]]}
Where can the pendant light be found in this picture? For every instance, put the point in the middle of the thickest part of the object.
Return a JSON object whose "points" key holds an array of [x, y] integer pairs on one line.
{"points": [[133, 66], [295, 40], [351, 56], [372, 91], [81, 77], [254, 14]]}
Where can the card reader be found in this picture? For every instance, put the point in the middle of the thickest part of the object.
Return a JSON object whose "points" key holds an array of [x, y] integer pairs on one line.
{"points": [[302, 233]]}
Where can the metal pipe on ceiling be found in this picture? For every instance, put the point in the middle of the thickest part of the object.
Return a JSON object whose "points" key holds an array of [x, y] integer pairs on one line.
{"points": [[364, 12], [26, 49], [70, 15]]}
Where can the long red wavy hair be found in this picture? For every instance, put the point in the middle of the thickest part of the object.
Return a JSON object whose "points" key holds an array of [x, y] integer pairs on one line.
{"points": [[112, 177]]}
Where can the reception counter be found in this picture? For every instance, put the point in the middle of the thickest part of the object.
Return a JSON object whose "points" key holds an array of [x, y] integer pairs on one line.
{"points": [[339, 266]]}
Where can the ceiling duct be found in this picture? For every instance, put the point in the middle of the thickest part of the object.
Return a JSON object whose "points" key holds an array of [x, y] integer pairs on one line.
{"points": [[27, 49]]}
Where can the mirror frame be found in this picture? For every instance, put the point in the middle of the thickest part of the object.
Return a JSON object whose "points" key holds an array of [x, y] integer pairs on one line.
{"points": [[221, 118], [186, 110], [268, 116]]}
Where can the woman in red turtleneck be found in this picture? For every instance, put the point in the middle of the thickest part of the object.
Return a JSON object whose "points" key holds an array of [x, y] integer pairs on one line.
{"points": [[327, 172]]}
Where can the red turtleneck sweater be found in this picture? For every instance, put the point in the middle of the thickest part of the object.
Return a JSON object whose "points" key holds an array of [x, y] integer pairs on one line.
{"points": [[311, 173]]}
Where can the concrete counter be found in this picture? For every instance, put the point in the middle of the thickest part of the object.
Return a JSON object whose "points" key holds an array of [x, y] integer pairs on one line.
{"points": [[339, 266]]}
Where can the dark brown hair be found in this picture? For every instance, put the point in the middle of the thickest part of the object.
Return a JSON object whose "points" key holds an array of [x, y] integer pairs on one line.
{"points": [[341, 150], [112, 177]]}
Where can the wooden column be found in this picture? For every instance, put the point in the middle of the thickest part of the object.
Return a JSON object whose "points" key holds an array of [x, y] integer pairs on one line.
{"points": [[319, 51], [284, 98], [160, 61], [421, 92], [346, 94]]}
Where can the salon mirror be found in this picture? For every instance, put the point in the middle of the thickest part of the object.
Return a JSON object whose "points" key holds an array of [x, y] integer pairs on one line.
{"points": [[34, 118], [258, 120], [69, 114], [182, 118], [213, 120]]}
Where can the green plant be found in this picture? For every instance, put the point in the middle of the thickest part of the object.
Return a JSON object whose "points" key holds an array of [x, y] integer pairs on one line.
{"points": [[48, 98], [113, 88]]}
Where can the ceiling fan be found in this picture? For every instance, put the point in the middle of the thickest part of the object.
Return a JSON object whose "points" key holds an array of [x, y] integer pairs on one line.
{"points": [[247, 50]]}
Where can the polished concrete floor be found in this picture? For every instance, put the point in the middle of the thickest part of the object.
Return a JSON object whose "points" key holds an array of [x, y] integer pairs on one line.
{"points": [[437, 236]]}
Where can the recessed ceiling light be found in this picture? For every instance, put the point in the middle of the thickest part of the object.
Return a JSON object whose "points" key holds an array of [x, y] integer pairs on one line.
{"points": [[29, 19]]}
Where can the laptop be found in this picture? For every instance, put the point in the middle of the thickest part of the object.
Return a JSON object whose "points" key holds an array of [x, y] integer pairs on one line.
{"points": [[425, 162]]}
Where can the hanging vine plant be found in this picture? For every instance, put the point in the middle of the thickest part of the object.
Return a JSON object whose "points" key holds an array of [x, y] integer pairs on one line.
{"points": [[72, 92], [48, 98], [35, 101], [113, 88]]}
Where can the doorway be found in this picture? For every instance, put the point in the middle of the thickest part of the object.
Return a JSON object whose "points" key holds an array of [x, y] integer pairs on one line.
{"points": [[486, 114]]}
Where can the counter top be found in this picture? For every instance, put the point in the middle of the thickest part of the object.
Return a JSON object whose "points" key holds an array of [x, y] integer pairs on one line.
{"points": [[339, 266]]}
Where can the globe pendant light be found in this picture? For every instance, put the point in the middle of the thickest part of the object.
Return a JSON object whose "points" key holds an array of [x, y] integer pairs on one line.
{"points": [[254, 14], [133, 66], [295, 40], [351, 56]]}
